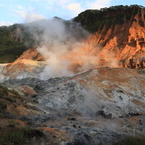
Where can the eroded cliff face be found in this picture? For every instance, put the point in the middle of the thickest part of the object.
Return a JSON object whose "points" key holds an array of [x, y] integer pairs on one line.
{"points": [[124, 40], [31, 54]]}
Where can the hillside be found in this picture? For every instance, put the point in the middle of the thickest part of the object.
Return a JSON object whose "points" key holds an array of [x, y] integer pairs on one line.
{"points": [[71, 87], [117, 39], [95, 20], [99, 106], [119, 30], [14, 40], [9, 49]]}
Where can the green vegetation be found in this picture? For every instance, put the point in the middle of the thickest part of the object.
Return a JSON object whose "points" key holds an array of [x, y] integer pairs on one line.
{"points": [[3, 105], [131, 140], [7, 96], [9, 48], [12, 45], [15, 92], [12, 123], [20, 136], [94, 20], [5, 90], [10, 98]]}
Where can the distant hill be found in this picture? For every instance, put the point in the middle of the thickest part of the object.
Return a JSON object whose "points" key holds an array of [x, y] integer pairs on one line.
{"points": [[13, 42], [9, 48]]}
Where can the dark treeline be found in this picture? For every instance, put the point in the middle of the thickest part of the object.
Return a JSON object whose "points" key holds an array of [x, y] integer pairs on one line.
{"points": [[93, 20]]}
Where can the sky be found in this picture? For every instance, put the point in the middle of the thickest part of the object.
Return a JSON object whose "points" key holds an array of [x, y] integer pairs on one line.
{"points": [[23, 11]]}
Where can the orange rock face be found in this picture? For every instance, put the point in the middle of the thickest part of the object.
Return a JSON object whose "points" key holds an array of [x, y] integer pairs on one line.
{"points": [[31, 54], [124, 42]]}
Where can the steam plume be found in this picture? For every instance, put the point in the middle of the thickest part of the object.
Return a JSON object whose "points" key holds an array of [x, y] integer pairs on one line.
{"points": [[62, 45]]}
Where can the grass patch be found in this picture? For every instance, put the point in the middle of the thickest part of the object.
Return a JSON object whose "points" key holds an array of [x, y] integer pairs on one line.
{"points": [[15, 92], [20, 136], [5, 90], [12, 123], [7, 58], [3, 105], [131, 140], [10, 98], [1, 94]]}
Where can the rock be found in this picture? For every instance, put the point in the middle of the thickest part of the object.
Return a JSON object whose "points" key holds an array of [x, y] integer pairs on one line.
{"points": [[71, 118], [98, 106], [102, 113]]}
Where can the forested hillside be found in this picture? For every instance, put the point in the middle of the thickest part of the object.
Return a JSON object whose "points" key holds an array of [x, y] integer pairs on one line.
{"points": [[94, 20], [11, 47]]}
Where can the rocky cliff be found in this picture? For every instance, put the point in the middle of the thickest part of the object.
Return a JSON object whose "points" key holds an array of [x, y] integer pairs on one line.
{"points": [[119, 30]]}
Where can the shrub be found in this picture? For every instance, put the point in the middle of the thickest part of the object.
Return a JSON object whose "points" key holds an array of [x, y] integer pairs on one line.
{"points": [[131, 140], [12, 123], [15, 92], [20, 136], [16, 138], [1, 115], [3, 105], [11, 99], [1, 93], [5, 90]]}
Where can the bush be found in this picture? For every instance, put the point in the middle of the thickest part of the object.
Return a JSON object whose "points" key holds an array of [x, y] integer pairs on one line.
{"points": [[12, 123], [15, 92], [3, 105], [1, 93], [1, 115], [11, 99], [5, 90], [15, 138], [131, 140], [20, 136]]}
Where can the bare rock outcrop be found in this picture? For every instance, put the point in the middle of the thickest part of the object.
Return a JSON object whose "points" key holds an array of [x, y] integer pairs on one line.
{"points": [[98, 106], [22, 68], [121, 32]]}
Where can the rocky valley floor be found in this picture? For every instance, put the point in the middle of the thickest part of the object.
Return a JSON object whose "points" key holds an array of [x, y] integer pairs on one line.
{"points": [[98, 106]]}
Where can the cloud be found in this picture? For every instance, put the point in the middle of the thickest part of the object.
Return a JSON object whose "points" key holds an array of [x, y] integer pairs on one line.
{"points": [[3, 23], [75, 7], [99, 4], [62, 2], [30, 17], [35, 0], [27, 14]]}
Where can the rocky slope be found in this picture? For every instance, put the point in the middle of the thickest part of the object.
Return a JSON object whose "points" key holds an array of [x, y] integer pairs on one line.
{"points": [[95, 107], [29, 64], [118, 30], [117, 41], [98, 106]]}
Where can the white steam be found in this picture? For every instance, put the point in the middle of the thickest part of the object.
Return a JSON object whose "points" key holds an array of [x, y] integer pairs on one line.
{"points": [[62, 45]]}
